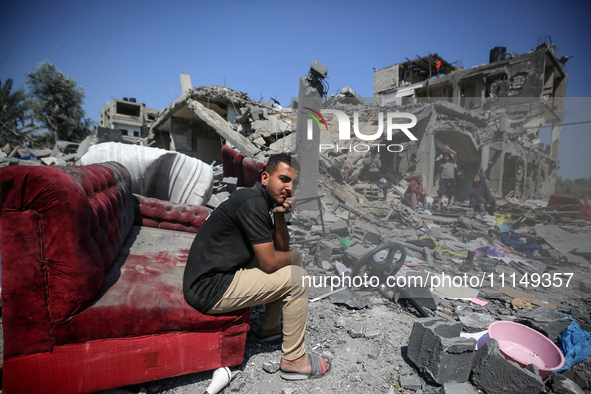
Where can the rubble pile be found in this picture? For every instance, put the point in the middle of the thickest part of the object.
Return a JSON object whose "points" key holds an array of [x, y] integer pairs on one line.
{"points": [[417, 333]]}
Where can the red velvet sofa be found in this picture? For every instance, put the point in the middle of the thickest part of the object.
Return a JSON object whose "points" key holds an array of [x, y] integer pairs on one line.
{"points": [[92, 284]]}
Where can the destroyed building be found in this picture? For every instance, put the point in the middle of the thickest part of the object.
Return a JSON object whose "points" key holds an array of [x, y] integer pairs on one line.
{"points": [[490, 114], [202, 119], [367, 331], [130, 117]]}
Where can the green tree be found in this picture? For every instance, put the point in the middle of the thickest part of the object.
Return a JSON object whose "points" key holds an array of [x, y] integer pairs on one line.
{"points": [[13, 109], [56, 102], [579, 188]]}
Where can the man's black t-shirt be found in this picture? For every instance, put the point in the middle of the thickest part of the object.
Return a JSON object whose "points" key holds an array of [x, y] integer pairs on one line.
{"points": [[224, 244]]}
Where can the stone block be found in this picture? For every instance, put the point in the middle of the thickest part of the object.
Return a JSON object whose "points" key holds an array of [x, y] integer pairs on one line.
{"points": [[367, 232], [356, 330], [457, 388], [475, 322], [271, 366], [492, 373], [354, 254], [340, 228], [373, 333], [318, 69], [326, 249], [410, 382], [563, 385], [548, 321], [437, 350]]}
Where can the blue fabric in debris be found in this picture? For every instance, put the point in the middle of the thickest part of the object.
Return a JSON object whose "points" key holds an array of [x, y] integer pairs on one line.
{"points": [[576, 344], [520, 243]]}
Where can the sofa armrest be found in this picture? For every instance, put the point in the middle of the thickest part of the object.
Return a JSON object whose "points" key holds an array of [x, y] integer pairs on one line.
{"points": [[152, 212]]}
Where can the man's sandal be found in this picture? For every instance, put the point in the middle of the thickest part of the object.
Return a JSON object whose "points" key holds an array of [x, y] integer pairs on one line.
{"points": [[320, 367]]}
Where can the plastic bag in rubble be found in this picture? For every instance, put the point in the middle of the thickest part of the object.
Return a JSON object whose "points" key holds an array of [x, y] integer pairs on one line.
{"points": [[575, 344]]}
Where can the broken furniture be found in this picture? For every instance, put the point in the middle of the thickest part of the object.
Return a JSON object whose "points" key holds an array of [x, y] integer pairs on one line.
{"points": [[246, 169], [158, 173], [92, 284]]}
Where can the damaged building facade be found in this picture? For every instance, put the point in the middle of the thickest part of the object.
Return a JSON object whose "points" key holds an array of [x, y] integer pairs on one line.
{"points": [[203, 119], [490, 114], [130, 117]]}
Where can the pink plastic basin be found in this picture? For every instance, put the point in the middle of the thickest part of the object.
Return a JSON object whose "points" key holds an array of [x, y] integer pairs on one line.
{"points": [[525, 346]]}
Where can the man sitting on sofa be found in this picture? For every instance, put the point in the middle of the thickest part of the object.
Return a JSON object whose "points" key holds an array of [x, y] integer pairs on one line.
{"points": [[240, 258]]}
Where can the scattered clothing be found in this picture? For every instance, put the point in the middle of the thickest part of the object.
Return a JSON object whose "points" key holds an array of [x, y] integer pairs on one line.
{"points": [[521, 243]]}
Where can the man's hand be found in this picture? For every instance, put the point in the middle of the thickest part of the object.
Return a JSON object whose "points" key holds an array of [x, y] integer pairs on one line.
{"points": [[285, 207], [296, 258]]}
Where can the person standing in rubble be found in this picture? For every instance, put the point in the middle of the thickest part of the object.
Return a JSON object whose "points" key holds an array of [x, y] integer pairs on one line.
{"points": [[415, 192], [381, 177], [447, 172], [481, 199], [241, 258]]}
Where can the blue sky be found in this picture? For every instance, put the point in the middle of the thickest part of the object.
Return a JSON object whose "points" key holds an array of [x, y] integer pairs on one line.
{"points": [[116, 49]]}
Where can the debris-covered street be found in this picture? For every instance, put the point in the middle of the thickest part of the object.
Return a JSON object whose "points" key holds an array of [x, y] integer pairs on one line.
{"points": [[401, 294]]}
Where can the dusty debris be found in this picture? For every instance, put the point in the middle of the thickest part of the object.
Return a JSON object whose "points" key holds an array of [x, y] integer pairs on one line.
{"points": [[531, 254]]}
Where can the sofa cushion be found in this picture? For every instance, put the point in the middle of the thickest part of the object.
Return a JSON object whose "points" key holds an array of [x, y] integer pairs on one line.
{"points": [[152, 212], [142, 293]]}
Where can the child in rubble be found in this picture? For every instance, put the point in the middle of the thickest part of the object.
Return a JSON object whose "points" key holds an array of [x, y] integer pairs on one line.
{"points": [[481, 199], [447, 172], [415, 192]]}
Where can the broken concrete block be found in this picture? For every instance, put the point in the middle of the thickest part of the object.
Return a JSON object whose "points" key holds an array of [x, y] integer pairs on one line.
{"points": [[284, 144], [354, 254], [492, 373], [561, 384], [318, 69], [340, 228], [457, 388], [475, 322], [437, 350], [356, 330], [271, 366], [373, 333], [230, 183], [367, 232], [410, 382], [416, 336], [260, 141], [348, 298], [373, 353], [548, 321], [326, 249], [575, 377]]}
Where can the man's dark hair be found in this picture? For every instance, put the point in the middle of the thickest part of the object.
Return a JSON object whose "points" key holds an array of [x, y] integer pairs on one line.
{"points": [[274, 161]]}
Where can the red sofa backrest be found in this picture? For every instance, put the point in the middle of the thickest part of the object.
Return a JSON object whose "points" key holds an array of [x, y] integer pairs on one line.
{"points": [[246, 169], [60, 229]]}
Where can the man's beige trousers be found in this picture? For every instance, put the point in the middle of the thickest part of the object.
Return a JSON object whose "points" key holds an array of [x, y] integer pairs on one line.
{"points": [[282, 291]]}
